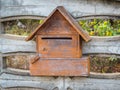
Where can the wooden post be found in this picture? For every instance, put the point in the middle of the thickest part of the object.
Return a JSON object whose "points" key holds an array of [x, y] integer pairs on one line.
{"points": [[1, 28], [1, 31], [0, 62]]}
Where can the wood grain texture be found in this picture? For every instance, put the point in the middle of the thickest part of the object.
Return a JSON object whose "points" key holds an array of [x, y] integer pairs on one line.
{"points": [[49, 83], [59, 46], [62, 13], [60, 67], [59, 36]]}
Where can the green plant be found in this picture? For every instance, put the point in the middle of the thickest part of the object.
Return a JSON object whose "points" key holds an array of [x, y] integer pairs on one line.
{"points": [[41, 21], [101, 27], [103, 64], [21, 27]]}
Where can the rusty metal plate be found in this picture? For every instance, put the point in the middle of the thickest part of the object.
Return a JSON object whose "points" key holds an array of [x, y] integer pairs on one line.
{"points": [[61, 67]]}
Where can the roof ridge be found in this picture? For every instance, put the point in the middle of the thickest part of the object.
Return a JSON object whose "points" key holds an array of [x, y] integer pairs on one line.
{"points": [[69, 18]]}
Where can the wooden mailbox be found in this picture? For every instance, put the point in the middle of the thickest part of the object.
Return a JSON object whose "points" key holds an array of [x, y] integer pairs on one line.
{"points": [[59, 46]]}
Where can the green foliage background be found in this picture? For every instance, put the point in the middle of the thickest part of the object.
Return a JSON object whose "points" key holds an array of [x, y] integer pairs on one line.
{"points": [[101, 27], [11, 27], [95, 27]]}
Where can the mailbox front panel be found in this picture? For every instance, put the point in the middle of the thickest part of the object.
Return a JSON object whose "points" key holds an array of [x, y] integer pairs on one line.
{"points": [[61, 67], [60, 46]]}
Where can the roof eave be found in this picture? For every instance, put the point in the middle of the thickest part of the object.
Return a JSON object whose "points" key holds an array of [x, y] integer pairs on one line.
{"points": [[75, 25], [33, 33], [69, 18]]}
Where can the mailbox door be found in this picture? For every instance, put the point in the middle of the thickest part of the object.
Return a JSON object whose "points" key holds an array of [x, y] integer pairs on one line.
{"points": [[60, 46]]}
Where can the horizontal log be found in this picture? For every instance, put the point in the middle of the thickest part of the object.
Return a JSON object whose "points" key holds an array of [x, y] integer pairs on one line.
{"points": [[21, 17], [104, 75], [108, 45], [63, 83], [47, 83], [79, 83], [17, 53], [16, 71], [15, 43], [77, 8]]}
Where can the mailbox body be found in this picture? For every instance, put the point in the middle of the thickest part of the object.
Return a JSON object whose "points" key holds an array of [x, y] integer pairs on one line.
{"points": [[61, 67], [58, 39], [59, 47]]}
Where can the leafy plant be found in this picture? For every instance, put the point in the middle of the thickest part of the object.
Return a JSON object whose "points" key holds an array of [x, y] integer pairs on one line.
{"points": [[21, 27], [104, 64], [101, 27], [41, 21]]}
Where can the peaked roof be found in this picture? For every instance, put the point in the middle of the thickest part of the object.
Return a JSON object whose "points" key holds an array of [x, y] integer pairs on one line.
{"points": [[69, 18]]}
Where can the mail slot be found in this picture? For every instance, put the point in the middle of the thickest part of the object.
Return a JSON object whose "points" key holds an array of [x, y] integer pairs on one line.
{"points": [[59, 46]]}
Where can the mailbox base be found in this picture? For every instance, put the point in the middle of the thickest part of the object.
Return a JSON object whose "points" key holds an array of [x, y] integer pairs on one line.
{"points": [[61, 67]]}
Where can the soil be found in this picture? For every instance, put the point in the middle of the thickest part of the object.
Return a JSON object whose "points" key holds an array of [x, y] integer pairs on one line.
{"points": [[18, 61], [105, 64]]}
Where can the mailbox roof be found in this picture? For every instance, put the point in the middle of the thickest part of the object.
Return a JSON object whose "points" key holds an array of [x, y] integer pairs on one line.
{"points": [[69, 18]]}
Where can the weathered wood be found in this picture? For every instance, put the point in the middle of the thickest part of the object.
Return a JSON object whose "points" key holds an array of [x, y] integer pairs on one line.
{"points": [[10, 89], [59, 46], [22, 88], [17, 53], [77, 8], [1, 64], [59, 36], [78, 83], [5, 69], [105, 75], [16, 71], [106, 45], [45, 83], [61, 67], [12, 37], [13, 43], [49, 83], [68, 18], [102, 16], [1, 28], [10, 18]]}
